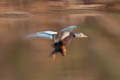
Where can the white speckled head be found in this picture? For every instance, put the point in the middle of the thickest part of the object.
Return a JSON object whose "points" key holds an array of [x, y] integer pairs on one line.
{"points": [[80, 35]]}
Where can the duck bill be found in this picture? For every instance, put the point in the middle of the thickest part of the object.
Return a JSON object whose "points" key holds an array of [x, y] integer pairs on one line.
{"points": [[64, 50], [84, 36]]}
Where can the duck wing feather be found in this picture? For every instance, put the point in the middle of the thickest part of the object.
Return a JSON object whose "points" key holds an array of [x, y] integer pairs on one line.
{"points": [[44, 34], [69, 28]]}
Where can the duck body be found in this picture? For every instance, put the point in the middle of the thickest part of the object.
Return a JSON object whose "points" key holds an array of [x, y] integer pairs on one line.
{"points": [[58, 48], [60, 39], [60, 45]]}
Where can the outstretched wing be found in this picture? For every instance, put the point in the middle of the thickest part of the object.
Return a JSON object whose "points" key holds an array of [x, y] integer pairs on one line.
{"points": [[70, 28], [44, 34]]}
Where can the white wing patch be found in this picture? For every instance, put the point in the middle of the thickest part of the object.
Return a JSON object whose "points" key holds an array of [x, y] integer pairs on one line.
{"points": [[49, 32], [64, 35]]}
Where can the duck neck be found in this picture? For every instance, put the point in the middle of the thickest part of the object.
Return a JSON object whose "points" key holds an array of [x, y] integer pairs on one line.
{"points": [[73, 35]]}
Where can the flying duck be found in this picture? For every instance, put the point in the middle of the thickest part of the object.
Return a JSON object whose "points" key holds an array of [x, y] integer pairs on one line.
{"points": [[60, 39]]}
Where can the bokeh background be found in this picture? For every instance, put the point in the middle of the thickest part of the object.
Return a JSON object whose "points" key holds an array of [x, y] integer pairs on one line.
{"points": [[94, 58]]}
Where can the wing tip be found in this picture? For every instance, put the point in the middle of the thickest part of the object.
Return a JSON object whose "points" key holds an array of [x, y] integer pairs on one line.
{"points": [[74, 26], [27, 36]]}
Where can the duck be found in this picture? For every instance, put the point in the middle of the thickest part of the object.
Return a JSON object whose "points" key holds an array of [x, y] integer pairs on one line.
{"points": [[60, 39]]}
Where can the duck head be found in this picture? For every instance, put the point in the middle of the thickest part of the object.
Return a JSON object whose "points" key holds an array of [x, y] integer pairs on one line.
{"points": [[80, 35]]}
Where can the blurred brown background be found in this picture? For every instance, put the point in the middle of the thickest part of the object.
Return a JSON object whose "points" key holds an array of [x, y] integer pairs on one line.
{"points": [[43, 5], [95, 58]]}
